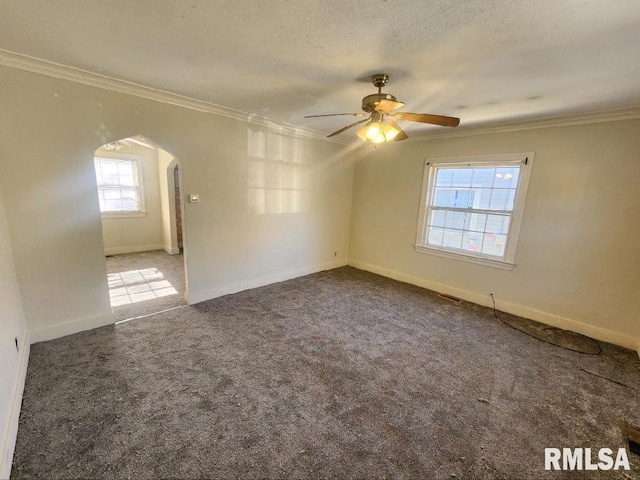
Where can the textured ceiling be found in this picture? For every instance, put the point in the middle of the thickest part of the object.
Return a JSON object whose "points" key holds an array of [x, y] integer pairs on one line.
{"points": [[485, 61]]}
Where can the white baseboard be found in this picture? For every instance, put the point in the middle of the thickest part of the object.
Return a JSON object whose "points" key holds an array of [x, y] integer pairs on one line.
{"points": [[171, 250], [201, 296], [63, 329], [133, 249], [10, 436], [592, 331]]}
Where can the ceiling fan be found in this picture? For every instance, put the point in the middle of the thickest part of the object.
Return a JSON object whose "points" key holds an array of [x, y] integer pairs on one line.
{"points": [[380, 126]]}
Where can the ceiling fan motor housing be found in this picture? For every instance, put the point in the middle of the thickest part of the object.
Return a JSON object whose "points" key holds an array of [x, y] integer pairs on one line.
{"points": [[370, 102]]}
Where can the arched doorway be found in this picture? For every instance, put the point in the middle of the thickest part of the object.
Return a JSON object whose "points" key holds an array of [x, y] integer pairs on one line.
{"points": [[139, 194]]}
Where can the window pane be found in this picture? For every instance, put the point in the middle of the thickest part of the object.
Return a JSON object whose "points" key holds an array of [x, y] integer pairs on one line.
{"points": [[441, 197], [497, 224], [129, 192], [477, 222], [125, 167], [455, 220], [111, 193], [499, 199], [471, 241], [452, 238], [462, 177], [460, 198], [129, 199], [472, 199], [444, 177], [437, 218], [482, 198], [493, 244], [511, 199], [435, 236], [109, 167], [127, 180], [109, 179], [455, 198], [507, 177], [113, 205], [129, 205], [483, 177]]}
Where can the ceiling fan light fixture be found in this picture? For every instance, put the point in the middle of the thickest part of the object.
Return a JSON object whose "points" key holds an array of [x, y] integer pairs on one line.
{"points": [[377, 132], [374, 132], [390, 131], [113, 146]]}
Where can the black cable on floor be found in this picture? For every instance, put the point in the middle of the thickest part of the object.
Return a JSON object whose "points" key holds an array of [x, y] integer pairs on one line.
{"points": [[495, 314]]}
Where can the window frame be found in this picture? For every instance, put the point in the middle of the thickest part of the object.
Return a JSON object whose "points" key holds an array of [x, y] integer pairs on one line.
{"points": [[138, 176], [507, 261]]}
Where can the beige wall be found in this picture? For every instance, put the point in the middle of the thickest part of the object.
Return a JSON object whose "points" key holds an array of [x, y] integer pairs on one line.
{"points": [[137, 234], [13, 361], [578, 259], [49, 130]]}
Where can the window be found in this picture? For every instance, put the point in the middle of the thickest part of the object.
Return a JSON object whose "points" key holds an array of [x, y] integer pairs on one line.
{"points": [[471, 207], [119, 186]]}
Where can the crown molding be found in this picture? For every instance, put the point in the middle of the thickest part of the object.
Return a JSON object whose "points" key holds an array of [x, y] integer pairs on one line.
{"points": [[77, 75], [556, 121]]}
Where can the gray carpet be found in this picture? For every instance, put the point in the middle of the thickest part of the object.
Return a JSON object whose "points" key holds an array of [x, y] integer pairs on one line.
{"points": [[145, 282], [340, 374]]}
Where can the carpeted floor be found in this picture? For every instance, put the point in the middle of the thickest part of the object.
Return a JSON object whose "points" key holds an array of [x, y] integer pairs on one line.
{"points": [[145, 282], [340, 374]]}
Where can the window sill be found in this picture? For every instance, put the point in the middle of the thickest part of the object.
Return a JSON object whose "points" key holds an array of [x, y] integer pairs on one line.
{"points": [[487, 262], [123, 214]]}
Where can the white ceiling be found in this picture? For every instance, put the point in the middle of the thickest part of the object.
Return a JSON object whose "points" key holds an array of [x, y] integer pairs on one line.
{"points": [[485, 61]]}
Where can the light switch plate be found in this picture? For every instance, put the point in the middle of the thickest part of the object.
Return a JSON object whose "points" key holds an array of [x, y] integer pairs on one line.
{"points": [[194, 198]]}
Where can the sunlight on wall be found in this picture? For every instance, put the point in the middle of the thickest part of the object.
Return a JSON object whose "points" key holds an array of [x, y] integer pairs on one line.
{"points": [[276, 174], [136, 286]]}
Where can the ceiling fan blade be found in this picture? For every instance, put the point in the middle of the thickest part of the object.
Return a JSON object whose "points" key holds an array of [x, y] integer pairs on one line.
{"points": [[388, 106], [427, 118], [348, 127], [336, 114]]}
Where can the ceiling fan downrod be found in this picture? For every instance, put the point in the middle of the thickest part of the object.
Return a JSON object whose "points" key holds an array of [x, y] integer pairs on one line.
{"points": [[379, 80]]}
